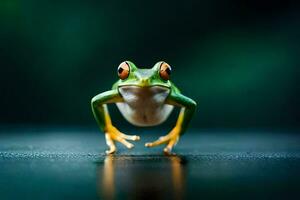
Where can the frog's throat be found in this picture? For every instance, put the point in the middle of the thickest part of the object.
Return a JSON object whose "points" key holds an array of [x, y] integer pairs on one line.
{"points": [[144, 106], [144, 85]]}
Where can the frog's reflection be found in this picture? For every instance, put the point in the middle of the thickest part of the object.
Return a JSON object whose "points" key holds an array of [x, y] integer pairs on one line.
{"points": [[142, 177], [108, 178]]}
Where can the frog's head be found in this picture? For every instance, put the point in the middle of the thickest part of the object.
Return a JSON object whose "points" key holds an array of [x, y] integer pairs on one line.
{"points": [[158, 75]]}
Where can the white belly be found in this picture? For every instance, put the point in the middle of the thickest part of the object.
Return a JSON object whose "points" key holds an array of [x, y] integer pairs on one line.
{"points": [[144, 106]]}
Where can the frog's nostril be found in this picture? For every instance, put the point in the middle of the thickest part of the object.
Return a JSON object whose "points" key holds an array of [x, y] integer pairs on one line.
{"points": [[144, 81]]}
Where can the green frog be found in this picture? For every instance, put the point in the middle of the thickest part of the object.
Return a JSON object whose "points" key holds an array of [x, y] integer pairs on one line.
{"points": [[145, 97]]}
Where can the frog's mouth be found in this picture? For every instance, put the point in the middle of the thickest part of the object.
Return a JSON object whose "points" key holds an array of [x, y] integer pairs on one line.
{"points": [[144, 85], [143, 90]]}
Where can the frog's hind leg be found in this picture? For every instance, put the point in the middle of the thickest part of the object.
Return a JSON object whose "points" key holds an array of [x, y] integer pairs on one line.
{"points": [[101, 114], [170, 139], [110, 143], [113, 134], [187, 110]]}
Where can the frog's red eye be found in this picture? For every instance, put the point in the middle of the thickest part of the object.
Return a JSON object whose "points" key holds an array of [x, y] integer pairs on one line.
{"points": [[165, 71], [123, 70]]}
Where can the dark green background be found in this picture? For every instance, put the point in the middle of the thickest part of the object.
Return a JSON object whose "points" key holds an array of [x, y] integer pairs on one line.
{"points": [[238, 59]]}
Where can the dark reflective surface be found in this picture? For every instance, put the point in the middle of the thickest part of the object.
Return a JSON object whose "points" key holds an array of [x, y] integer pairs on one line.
{"points": [[143, 177], [232, 165]]}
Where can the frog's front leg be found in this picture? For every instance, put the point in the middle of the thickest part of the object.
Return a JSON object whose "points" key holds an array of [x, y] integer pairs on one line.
{"points": [[187, 110], [103, 119]]}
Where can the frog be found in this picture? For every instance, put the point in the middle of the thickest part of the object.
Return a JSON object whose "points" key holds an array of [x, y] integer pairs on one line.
{"points": [[145, 97]]}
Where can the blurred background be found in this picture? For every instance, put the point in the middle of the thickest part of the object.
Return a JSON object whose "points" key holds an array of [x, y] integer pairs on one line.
{"points": [[238, 59]]}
